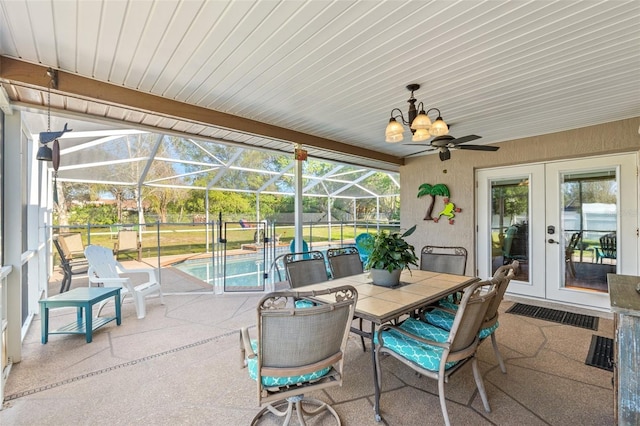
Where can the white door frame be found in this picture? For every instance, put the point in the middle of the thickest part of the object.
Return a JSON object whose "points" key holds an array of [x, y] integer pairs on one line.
{"points": [[546, 263]]}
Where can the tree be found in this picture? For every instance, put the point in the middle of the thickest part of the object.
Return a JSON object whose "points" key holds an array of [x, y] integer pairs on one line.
{"points": [[433, 191]]}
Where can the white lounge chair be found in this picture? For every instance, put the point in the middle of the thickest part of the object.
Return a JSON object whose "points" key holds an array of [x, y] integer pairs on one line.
{"points": [[103, 268]]}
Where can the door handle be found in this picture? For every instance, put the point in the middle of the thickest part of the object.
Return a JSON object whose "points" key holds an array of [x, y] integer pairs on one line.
{"points": [[552, 241]]}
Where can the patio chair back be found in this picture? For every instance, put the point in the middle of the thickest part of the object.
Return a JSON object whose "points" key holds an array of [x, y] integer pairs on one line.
{"points": [[298, 350], [344, 261], [449, 260], [127, 242], [608, 245], [69, 265], [305, 268]]}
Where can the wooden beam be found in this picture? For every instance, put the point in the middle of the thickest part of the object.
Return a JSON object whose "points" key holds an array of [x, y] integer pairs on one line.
{"points": [[14, 70]]}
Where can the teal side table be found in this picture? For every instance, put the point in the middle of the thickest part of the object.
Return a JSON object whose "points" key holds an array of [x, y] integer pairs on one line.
{"points": [[83, 299]]}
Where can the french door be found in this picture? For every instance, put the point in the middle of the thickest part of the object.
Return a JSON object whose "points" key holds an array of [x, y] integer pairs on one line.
{"points": [[568, 223]]}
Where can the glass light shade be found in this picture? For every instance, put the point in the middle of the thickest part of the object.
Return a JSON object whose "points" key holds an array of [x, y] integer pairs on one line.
{"points": [[421, 135], [422, 121], [394, 131], [393, 138], [44, 153], [439, 127]]}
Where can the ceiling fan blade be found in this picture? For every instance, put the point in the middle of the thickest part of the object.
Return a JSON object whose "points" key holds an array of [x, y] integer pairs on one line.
{"points": [[478, 147], [465, 139], [419, 152]]}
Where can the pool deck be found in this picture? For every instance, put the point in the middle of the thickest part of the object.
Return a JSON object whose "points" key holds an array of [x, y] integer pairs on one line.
{"points": [[181, 365]]}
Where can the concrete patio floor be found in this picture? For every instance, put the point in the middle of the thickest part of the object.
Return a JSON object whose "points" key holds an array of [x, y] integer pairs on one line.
{"points": [[181, 365]]}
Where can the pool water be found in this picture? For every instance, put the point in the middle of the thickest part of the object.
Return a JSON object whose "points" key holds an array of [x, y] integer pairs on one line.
{"points": [[243, 273]]}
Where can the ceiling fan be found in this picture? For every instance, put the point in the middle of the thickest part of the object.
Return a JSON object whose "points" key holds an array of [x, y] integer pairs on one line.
{"points": [[445, 142]]}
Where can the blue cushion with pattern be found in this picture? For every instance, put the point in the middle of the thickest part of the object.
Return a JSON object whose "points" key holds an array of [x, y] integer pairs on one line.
{"points": [[444, 320], [422, 354], [303, 303], [270, 381]]}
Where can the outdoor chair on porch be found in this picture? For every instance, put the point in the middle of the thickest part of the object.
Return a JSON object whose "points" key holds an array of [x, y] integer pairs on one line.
{"points": [[449, 260], [344, 262], [443, 315], [70, 262], [575, 239], [298, 350], [437, 353], [305, 268], [608, 247], [127, 242], [364, 244], [104, 269]]}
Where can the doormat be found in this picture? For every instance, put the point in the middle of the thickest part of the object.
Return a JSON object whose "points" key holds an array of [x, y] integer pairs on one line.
{"points": [[600, 353], [562, 317]]}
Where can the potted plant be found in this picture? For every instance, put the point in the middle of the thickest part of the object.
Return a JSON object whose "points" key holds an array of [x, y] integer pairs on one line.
{"points": [[390, 254]]}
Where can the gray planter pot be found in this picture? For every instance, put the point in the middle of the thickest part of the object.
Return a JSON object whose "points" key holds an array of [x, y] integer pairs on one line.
{"points": [[385, 278]]}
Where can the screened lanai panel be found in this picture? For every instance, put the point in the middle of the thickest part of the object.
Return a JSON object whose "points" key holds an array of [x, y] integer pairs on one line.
{"points": [[116, 172], [168, 171], [251, 180]]}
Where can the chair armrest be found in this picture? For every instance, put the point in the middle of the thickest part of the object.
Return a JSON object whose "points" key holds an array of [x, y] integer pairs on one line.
{"points": [[149, 271], [423, 311], [108, 280], [386, 327], [245, 346]]}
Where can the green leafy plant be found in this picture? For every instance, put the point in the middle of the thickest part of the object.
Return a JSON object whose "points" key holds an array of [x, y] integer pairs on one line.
{"points": [[390, 251]]}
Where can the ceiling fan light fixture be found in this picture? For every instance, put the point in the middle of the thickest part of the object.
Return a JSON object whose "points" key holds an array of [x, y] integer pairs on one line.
{"points": [[439, 127], [421, 135], [418, 121], [394, 131]]}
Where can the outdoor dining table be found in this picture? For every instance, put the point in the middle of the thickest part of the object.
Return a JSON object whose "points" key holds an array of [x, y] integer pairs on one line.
{"points": [[379, 305]]}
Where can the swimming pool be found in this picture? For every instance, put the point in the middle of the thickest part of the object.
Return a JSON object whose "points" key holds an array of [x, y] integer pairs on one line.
{"points": [[239, 273]]}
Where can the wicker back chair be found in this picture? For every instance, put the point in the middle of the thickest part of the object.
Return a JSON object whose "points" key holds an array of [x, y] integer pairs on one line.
{"points": [[298, 350]]}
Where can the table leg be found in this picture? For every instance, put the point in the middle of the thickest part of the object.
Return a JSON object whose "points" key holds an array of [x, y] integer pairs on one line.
{"points": [[118, 309], [89, 322], [376, 385], [44, 323]]}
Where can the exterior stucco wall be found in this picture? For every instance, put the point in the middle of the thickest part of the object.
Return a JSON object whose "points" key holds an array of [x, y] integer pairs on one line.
{"points": [[458, 174]]}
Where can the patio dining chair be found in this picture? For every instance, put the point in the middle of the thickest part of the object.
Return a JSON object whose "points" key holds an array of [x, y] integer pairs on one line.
{"points": [[305, 268], [298, 350], [104, 269], [364, 244], [436, 353], [444, 314], [70, 263], [127, 242], [450, 260], [344, 261]]}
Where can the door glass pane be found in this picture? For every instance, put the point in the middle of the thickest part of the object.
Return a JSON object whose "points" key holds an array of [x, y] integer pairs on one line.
{"points": [[589, 221], [510, 224]]}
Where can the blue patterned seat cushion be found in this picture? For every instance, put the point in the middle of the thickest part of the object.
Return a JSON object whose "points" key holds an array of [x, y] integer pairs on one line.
{"points": [[303, 303], [270, 382], [444, 320], [425, 355]]}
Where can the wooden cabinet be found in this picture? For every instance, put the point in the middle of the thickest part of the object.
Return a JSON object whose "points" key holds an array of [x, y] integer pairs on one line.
{"points": [[625, 305]]}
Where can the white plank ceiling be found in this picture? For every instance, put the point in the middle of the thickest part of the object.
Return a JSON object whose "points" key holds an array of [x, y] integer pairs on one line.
{"points": [[335, 69]]}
